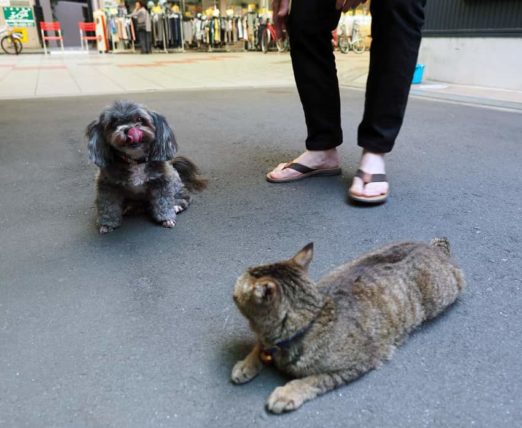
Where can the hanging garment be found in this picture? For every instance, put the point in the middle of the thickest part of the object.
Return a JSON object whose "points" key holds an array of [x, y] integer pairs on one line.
{"points": [[175, 30], [211, 30], [130, 24], [188, 31], [113, 30], [217, 30], [158, 31], [198, 30]]}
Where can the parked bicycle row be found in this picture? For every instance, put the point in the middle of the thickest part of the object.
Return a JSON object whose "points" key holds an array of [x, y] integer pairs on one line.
{"points": [[343, 39]]}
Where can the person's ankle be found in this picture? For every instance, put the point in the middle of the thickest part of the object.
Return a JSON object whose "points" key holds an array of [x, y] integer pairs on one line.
{"points": [[372, 163], [370, 153], [323, 155]]}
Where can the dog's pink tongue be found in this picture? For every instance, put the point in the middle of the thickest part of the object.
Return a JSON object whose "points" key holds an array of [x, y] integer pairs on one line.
{"points": [[135, 135]]}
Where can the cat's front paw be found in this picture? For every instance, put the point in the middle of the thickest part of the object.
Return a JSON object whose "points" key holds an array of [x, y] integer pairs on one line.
{"points": [[284, 399], [243, 371]]}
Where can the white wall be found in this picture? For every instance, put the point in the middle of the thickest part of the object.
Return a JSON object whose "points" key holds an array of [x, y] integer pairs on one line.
{"points": [[490, 62]]}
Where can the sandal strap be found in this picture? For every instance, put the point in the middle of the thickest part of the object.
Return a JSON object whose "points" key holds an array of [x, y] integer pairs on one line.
{"points": [[370, 178], [303, 169]]}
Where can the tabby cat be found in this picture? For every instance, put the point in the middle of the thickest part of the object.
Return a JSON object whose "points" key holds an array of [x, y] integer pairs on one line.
{"points": [[328, 333]]}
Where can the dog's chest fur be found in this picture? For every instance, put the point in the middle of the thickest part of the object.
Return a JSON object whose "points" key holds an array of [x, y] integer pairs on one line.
{"points": [[137, 175], [138, 178]]}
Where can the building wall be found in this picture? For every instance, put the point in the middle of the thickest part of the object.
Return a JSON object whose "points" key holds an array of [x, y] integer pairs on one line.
{"points": [[473, 42], [479, 61], [470, 18]]}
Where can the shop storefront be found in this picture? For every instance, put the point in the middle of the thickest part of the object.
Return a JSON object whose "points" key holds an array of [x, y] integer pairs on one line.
{"points": [[176, 25], [207, 25], [20, 15]]}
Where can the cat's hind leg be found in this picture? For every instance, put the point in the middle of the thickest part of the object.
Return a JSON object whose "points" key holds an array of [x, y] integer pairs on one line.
{"points": [[248, 368], [292, 395]]}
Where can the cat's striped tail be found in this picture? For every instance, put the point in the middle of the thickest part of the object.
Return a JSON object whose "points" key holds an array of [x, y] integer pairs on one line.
{"points": [[442, 243]]}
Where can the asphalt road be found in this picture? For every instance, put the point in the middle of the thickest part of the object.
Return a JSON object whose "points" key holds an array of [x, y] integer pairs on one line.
{"points": [[138, 328]]}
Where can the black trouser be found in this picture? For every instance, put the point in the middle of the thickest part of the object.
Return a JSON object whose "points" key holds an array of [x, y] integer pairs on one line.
{"points": [[396, 36], [145, 40]]}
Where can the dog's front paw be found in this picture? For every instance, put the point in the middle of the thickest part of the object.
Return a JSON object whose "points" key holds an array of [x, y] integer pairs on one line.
{"points": [[181, 204], [243, 372], [284, 399], [168, 223], [105, 229]]}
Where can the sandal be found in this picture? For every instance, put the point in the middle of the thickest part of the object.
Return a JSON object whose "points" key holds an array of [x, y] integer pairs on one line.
{"points": [[305, 172], [369, 178]]}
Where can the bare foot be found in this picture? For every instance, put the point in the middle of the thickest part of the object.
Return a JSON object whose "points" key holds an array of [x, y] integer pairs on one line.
{"points": [[312, 159], [371, 163]]}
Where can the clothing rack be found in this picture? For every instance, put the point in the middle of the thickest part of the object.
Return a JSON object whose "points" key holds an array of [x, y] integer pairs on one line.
{"points": [[122, 33], [171, 32], [213, 33], [159, 32], [167, 31]]}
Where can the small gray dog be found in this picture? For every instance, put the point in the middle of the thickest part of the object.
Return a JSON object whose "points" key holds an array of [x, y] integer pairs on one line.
{"points": [[134, 149]]}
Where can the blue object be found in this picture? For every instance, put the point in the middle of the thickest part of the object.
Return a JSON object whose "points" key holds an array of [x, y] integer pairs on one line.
{"points": [[417, 75]]}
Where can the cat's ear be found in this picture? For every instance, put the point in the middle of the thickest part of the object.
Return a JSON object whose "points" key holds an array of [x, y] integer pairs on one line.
{"points": [[304, 256], [264, 290]]}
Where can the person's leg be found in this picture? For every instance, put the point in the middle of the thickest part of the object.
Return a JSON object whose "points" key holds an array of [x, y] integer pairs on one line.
{"points": [[143, 41], [396, 37], [310, 27], [149, 41]]}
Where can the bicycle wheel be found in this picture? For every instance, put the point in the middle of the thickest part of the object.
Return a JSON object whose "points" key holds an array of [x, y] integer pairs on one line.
{"points": [[344, 44], [358, 46], [281, 45], [19, 46], [265, 40], [10, 45]]}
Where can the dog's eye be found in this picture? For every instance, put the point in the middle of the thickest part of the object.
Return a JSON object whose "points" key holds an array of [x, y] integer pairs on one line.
{"points": [[139, 119]]}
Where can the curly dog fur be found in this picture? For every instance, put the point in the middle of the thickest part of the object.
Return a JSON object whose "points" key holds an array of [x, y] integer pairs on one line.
{"points": [[135, 150]]}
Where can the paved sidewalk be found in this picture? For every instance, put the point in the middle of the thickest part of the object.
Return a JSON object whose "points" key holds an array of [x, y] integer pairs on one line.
{"points": [[73, 74]]}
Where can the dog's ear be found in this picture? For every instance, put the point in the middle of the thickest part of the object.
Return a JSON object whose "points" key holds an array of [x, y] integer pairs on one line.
{"points": [[164, 146], [99, 151]]}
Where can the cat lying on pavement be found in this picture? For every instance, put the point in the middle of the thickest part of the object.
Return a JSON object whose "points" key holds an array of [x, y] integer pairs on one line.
{"points": [[326, 334]]}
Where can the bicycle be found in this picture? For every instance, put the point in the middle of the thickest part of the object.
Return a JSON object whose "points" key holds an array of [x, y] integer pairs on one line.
{"points": [[355, 42], [269, 38], [10, 41]]}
